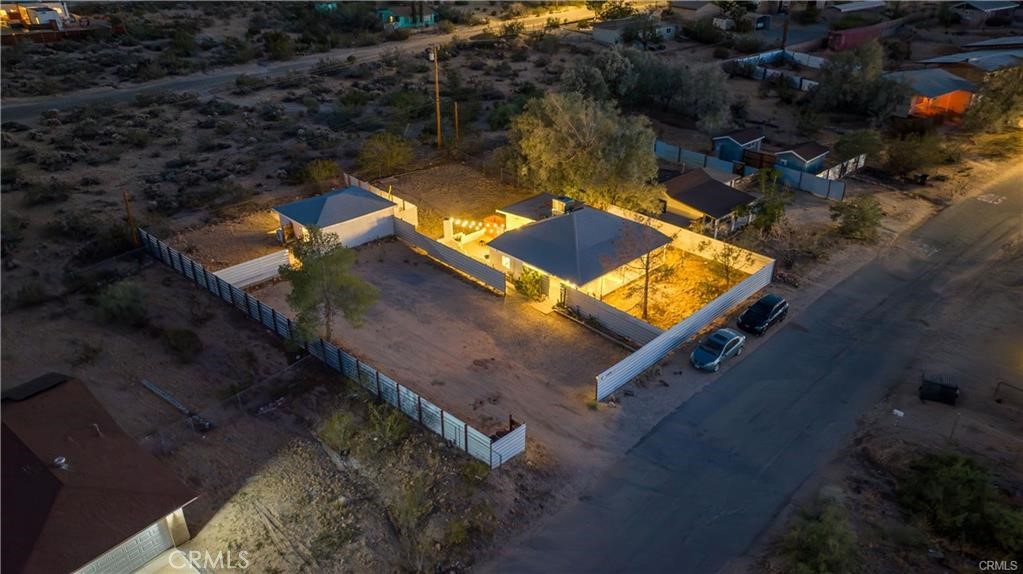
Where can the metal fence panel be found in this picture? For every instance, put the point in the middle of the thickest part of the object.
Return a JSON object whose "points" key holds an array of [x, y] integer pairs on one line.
{"points": [[620, 322], [332, 356], [478, 445], [508, 446], [388, 389], [255, 270], [430, 415], [454, 431], [625, 370], [451, 257], [408, 402], [350, 368]]}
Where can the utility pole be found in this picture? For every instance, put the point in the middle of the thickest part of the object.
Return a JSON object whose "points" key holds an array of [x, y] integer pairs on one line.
{"points": [[130, 220], [436, 91], [785, 33]]}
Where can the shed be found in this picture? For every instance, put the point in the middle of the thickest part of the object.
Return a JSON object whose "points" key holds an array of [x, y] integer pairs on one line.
{"points": [[535, 208], [807, 157], [586, 248], [977, 12], [697, 196], [80, 495], [732, 145], [355, 215], [935, 92]]}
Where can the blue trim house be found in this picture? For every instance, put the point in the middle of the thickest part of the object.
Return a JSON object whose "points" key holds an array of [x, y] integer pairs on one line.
{"points": [[403, 17], [731, 146], [807, 156]]}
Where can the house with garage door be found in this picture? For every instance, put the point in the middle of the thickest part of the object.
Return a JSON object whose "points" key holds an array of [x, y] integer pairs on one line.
{"points": [[355, 215], [79, 494], [586, 248]]}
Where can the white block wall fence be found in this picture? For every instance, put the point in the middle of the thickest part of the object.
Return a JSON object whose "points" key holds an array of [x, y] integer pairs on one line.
{"points": [[255, 270], [461, 262], [493, 450]]}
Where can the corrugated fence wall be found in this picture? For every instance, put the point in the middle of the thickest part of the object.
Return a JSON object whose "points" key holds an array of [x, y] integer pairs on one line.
{"points": [[620, 322], [456, 260], [647, 356], [255, 270], [454, 430]]}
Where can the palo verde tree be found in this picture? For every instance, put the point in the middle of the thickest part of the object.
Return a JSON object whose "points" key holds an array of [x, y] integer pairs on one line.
{"points": [[571, 145], [854, 81], [770, 210], [999, 105], [323, 284]]}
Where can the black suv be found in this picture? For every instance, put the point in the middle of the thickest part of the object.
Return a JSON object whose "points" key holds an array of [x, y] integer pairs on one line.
{"points": [[769, 310]]}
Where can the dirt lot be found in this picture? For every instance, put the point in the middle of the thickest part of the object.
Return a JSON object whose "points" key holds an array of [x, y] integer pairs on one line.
{"points": [[452, 190], [479, 355], [685, 283]]}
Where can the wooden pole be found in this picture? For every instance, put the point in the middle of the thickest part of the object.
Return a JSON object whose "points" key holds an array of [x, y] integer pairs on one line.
{"points": [[130, 220], [436, 91], [458, 133]]}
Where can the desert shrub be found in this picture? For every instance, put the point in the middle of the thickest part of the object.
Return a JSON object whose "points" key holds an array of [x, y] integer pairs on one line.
{"points": [[311, 104], [858, 218], [32, 293], [911, 152], [474, 472], [52, 191], [279, 45], [106, 242], [822, 543], [954, 494], [747, 43], [123, 303], [446, 26], [12, 230], [858, 142], [387, 427], [339, 431], [703, 31], [319, 170], [531, 284], [138, 138], [185, 344], [721, 52], [384, 153], [808, 121]]}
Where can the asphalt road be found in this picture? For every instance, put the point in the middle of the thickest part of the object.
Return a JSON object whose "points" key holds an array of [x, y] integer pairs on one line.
{"points": [[700, 487], [221, 79]]}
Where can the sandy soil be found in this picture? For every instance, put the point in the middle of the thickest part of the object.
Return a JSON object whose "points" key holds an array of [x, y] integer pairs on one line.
{"points": [[683, 285], [481, 356], [230, 242], [452, 190]]}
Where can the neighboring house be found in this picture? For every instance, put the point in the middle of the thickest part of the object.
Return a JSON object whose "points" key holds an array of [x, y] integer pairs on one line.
{"points": [[807, 157], [996, 43], [697, 196], [586, 248], [693, 11], [732, 146], [979, 12], [864, 6], [404, 17], [612, 32], [935, 93], [79, 494], [355, 215], [978, 65]]}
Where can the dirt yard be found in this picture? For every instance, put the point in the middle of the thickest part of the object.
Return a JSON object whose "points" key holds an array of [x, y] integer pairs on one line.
{"points": [[481, 356], [684, 284], [452, 190], [231, 242]]}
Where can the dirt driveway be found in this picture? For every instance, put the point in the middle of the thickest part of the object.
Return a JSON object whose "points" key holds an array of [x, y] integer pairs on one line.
{"points": [[474, 353]]}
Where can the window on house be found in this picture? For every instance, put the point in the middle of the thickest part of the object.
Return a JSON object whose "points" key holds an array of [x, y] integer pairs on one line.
{"points": [[506, 262]]}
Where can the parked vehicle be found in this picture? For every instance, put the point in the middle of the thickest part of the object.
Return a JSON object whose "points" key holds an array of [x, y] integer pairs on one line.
{"points": [[716, 348], [759, 317]]}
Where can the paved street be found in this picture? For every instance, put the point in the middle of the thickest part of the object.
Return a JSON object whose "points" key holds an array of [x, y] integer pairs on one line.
{"points": [[27, 109], [709, 478]]}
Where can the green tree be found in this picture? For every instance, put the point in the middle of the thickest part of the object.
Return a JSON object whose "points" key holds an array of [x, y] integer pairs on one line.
{"points": [[999, 105], [323, 283], [858, 218], [571, 145], [383, 154], [854, 81], [858, 142], [279, 45], [912, 151], [770, 210], [611, 9]]}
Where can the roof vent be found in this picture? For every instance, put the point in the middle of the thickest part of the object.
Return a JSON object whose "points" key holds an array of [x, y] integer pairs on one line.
{"points": [[61, 463]]}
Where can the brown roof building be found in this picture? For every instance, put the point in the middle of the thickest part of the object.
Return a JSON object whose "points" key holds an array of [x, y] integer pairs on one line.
{"points": [[78, 492]]}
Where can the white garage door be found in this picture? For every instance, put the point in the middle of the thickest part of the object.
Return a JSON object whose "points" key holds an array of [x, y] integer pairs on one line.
{"points": [[134, 553]]}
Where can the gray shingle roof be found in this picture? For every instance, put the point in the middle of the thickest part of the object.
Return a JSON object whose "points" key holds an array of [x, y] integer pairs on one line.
{"points": [[699, 190], [332, 208], [987, 60], [1008, 41], [932, 82], [989, 5], [807, 151], [743, 136], [581, 245]]}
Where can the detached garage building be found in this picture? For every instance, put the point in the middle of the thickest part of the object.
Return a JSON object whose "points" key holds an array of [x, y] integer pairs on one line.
{"points": [[355, 215], [79, 494]]}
